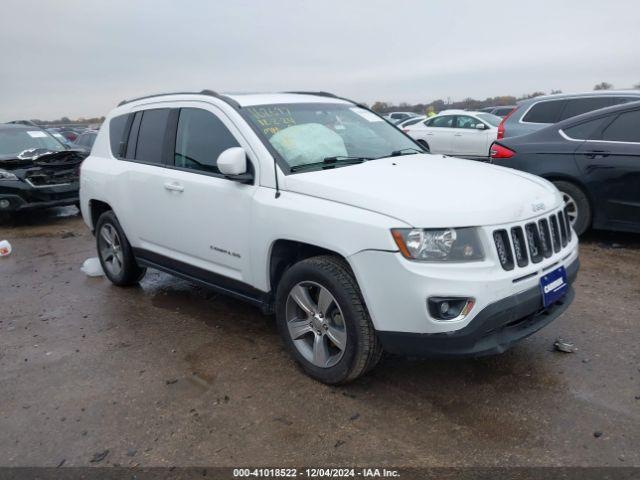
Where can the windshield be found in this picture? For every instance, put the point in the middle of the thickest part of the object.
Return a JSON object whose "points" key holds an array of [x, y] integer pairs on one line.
{"points": [[306, 133], [490, 118], [14, 142]]}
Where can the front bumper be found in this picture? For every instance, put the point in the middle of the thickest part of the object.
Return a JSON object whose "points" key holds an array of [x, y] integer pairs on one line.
{"points": [[22, 196], [493, 330]]}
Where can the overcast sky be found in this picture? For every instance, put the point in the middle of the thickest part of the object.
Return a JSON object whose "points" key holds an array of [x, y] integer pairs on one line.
{"points": [[81, 57]]}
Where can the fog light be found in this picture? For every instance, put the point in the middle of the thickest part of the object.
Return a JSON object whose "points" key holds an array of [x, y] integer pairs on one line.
{"points": [[449, 308], [5, 203]]}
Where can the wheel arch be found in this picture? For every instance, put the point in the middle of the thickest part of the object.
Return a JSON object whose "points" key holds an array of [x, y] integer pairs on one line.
{"points": [[562, 177], [97, 208], [582, 186], [285, 252]]}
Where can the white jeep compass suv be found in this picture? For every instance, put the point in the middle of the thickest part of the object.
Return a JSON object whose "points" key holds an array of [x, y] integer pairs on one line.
{"points": [[317, 209]]}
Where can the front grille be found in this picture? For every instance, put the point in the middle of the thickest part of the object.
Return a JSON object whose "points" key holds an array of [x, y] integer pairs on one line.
{"points": [[47, 178], [538, 240]]}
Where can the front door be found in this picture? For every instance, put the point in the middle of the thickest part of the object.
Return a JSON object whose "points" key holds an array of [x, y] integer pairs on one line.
{"points": [[190, 213], [610, 163], [468, 139]]}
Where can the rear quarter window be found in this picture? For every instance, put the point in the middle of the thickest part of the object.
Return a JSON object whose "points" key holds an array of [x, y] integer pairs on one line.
{"points": [[625, 128], [546, 111], [585, 130], [117, 138]]}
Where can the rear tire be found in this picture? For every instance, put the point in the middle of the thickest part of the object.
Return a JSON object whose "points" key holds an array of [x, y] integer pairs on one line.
{"points": [[323, 320], [577, 204], [114, 252]]}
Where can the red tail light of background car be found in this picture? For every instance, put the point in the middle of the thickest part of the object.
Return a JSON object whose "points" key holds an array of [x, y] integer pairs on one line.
{"points": [[498, 151], [501, 126]]}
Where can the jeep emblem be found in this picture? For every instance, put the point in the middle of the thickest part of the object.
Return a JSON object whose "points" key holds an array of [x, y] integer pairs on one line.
{"points": [[536, 207]]}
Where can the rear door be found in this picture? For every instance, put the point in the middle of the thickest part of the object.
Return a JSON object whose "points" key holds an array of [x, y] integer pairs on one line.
{"points": [[438, 133], [610, 163], [468, 140], [203, 218], [144, 220]]}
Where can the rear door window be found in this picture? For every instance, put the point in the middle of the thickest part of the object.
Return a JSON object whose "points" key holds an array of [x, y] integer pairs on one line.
{"points": [[625, 128], [446, 121], [577, 106], [547, 111], [200, 139], [153, 127]]}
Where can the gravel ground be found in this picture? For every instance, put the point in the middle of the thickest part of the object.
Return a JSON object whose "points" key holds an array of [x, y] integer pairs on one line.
{"points": [[169, 374]]}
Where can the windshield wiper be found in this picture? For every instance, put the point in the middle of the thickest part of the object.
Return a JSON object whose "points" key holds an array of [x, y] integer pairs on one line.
{"points": [[330, 162], [406, 151]]}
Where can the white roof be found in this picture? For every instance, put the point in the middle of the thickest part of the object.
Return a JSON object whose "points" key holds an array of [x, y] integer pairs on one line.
{"points": [[251, 99]]}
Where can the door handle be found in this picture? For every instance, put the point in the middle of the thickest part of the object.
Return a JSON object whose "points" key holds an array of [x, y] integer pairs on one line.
{"points": [[430, 134], [597, 154], [457, 135], [174, 187]]}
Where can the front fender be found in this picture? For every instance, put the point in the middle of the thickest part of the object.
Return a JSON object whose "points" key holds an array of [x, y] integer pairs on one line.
{"points": [[333, 226]]}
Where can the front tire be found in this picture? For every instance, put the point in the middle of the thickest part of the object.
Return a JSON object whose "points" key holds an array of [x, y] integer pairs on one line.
{"points": [[577, 205], [425, 145], [114, 252], [323, 320]]}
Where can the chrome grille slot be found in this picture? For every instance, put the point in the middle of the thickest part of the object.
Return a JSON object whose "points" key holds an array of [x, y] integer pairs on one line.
{"points": [[503, 246], [568, 222], [545, 238], [563, 229], [555, 233], [519, 246], [535, 244]]}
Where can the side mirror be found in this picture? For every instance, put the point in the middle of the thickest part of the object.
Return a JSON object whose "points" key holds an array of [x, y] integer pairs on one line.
{"points": [[232, 163], [481, 126]]}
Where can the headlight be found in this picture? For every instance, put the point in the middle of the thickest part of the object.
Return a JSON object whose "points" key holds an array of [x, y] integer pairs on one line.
{"points": [[4, 175], [439, 245]]}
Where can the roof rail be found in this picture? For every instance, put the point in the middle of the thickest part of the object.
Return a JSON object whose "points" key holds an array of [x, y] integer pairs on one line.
{"points": [[331, 95], [210, 93], [319, 94]]}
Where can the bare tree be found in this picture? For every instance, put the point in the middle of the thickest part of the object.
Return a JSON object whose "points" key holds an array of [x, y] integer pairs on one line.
{"points": [[603, 86]]}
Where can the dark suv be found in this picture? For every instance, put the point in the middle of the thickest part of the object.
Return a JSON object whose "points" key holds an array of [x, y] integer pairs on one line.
{"points": [[536, 113], [593, 159], [36, 170]]}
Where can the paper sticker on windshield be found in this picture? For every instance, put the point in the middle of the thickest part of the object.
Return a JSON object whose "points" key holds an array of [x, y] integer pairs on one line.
{"points": [[37, 134], [366, 114]]}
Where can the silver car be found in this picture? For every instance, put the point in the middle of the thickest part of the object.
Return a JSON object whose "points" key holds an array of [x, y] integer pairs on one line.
{"points": [[539, 112]]}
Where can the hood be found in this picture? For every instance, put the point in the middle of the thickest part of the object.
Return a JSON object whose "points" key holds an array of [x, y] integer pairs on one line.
{"points": [[43, 158], [432, 190]]}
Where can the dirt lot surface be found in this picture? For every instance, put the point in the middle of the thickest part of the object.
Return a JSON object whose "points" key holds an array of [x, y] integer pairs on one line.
{"points": [[170, 374]]}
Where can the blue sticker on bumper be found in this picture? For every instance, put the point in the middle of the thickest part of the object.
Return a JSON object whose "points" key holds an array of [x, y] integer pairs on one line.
{"points": [[553, 286]]}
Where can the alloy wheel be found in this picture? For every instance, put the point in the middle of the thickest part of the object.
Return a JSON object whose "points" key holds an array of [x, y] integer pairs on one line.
{"points": [[111, 249], [316, 324]]}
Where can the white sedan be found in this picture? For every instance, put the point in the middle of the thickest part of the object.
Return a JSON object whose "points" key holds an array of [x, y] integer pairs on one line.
{"points": [[458, 133]]}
